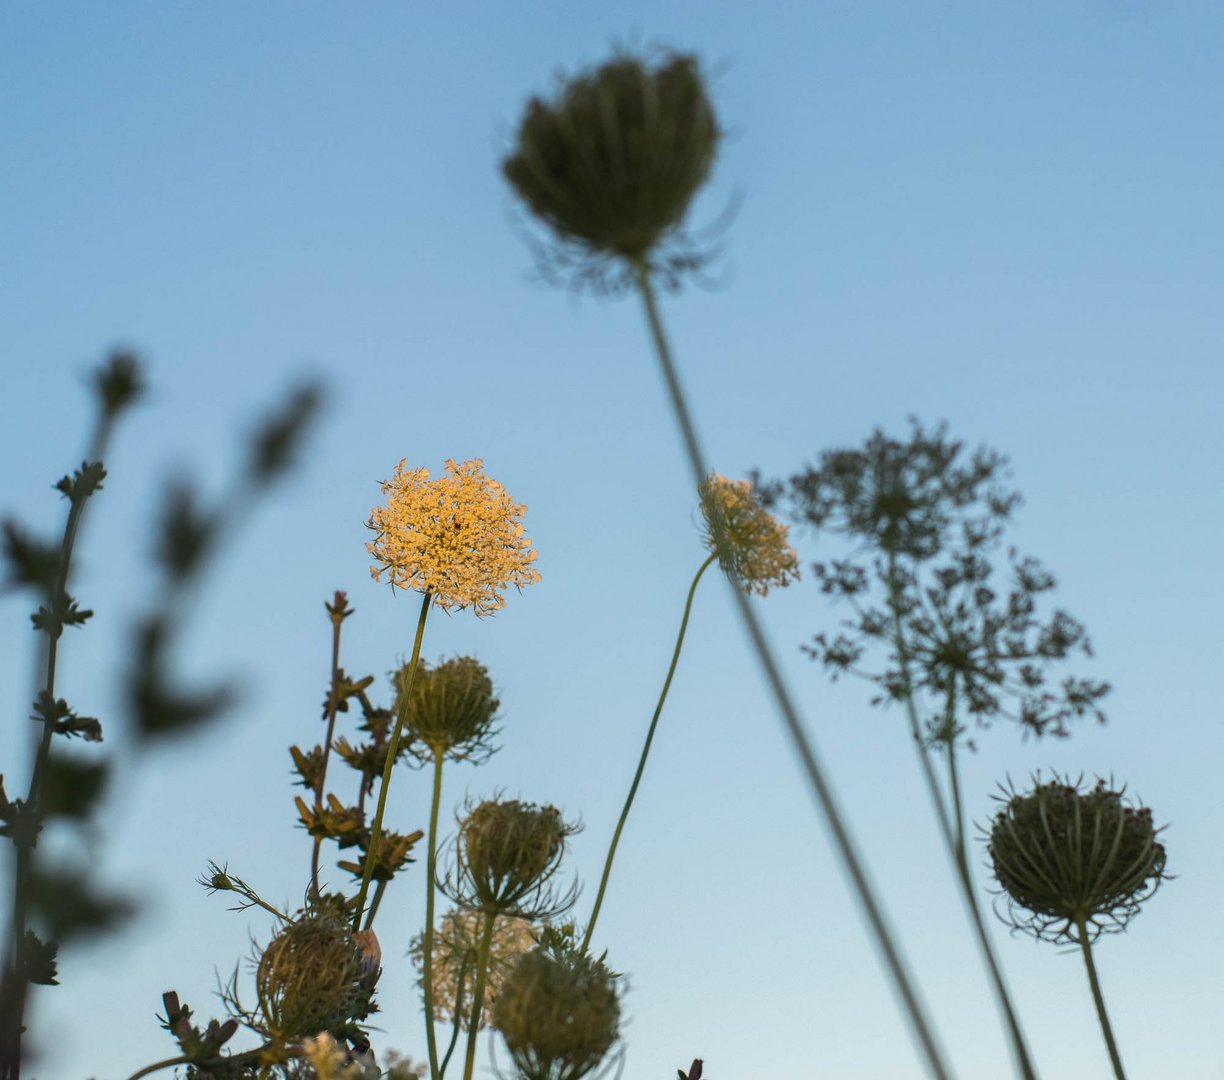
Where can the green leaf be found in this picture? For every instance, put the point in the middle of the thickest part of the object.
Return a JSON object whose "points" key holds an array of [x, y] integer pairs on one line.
{"points": [[40, 960]]}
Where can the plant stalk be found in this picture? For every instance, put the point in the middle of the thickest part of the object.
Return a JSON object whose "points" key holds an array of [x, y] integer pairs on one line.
{"points": [[400, 715], [333, 707], [431, 1040], [478, 992], [1098, 998], [650, 734], [913, 1009]]}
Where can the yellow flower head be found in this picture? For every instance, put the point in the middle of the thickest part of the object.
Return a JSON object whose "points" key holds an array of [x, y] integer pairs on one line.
{"points": [[459, 537], [751, 543]]}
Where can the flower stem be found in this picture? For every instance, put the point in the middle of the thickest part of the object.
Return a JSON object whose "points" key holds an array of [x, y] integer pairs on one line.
{"points": [[400, 714], [333, 707], [14, 985], [435, 1072], [650, 734], [1106, 1030], [459, 984], [478, 992], [955, 839], [914, 1011]]}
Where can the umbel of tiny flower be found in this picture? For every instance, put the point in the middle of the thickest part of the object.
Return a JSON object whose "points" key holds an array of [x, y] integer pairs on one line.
{"points": [[506, 854], [314, 976], [751, 544], [450, 710], [613, 160], [459, 538], [456, 942], [1074, 863], [559, 1013]]}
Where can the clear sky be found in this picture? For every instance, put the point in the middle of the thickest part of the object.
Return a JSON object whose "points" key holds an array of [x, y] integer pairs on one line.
{"points": [[1003, 215]]}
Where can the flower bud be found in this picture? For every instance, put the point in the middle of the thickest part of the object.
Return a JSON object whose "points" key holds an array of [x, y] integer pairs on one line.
{"points": [[450, 708], [559, 1015], [507, 852], [614, 160]]}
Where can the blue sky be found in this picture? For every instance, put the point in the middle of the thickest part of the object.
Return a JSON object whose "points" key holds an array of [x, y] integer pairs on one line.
{"points": [[1006, 216]]}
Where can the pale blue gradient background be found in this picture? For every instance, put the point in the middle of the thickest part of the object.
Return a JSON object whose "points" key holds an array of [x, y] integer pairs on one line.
{"points": [[1005, 215]]}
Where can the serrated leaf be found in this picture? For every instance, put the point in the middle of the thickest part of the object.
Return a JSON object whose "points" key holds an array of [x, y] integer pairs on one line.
{"points": [[40, 960]]}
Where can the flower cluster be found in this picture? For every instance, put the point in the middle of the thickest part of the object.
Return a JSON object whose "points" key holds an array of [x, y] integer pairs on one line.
{"points": [[456, 941], [751, 544], [458, 538], [613, 161]]}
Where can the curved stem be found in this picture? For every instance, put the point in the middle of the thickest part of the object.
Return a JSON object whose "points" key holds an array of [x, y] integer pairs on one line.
{"points": [[380, 887], [478, 992], [251, 1056], [650, 734], [431, 1039], [157, 1066], [914, 1011], [454, 1039], [392, 747], [1106, 1030]]}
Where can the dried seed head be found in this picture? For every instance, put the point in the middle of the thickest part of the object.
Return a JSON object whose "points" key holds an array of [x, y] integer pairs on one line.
{"points": [[1073, 863], [451, 708], [612, 162], [559, 1015], [506, 854], [313, 977]]}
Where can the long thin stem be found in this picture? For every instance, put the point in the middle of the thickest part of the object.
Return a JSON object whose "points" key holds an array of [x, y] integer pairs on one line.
{"points": [[454, 1039], [431, 867], [392, 747], [958, 808], [333, 707], [15, 983], [246, 1056], [954, 838], [478, 993], [650, 734], [1099, 999], [903, 984]]}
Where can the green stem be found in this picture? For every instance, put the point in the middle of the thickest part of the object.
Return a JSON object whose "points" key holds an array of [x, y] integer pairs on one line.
{"points": [[454, 1039], [914, 1011], [478, 992], [400, 714], [954, 839], [380, 887], [431, 1040], [333, 707], [650, 734], [958, 809], [1106, 1030], [14, 986], [247, 1056]]}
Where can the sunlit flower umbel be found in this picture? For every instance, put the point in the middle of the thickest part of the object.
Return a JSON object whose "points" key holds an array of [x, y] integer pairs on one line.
{"points": [[460, 537], [751, 544], [456, 941]]}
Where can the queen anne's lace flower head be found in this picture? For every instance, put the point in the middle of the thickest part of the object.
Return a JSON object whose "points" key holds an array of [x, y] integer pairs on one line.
{"points": [[456, 942], [460, 537], [751, 544]]}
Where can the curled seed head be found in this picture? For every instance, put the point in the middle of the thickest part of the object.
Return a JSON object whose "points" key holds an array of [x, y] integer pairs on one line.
{"points": [[451, 708], [559, 1014], [612, 162], [1074, 863]]}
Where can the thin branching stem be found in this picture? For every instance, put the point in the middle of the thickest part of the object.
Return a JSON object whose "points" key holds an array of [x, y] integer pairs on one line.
{"points": [[913, 1008], [454, 1039], [401, 714], [954, 836], [641, 767], [333, 707], [478, 992], [1098, 998], [14, 989], [431, 868], [248, 1056]]}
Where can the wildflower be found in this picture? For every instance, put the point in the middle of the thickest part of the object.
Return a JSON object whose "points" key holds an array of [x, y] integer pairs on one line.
{"points": [[1074, 863], [450, 709], [613, 161], [506, 854], [456, 941], [751, 543], [458, 538], [314, 976], [559, 1013]]}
